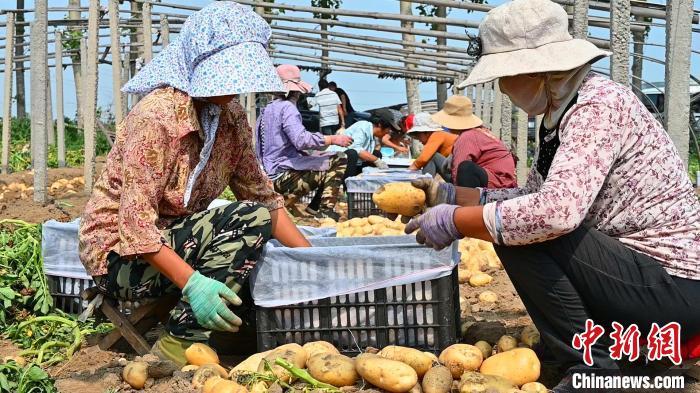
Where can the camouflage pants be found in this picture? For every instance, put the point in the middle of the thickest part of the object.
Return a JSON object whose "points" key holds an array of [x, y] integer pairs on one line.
{"points": [[328, 183], [223, 243]]}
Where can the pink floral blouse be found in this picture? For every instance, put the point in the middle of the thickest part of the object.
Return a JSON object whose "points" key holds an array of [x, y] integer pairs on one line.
{"points": [[617, 170], [141, 189]]}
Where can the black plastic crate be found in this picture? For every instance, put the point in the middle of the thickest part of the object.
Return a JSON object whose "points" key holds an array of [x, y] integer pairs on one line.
{"points": [[66, 293], [360, 204], [423, 315]]}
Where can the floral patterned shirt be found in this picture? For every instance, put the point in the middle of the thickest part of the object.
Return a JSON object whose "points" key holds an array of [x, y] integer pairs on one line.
{"points": [[616, 170], [142, 187]]}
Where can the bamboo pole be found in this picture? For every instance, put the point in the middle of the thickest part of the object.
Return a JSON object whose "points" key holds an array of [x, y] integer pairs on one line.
{"points": [[147, 34], [496, 110], [506, 121], [677, 95], [412, 87], [164, 30], [60, 122], [91, 95], [580, 20], [115, 48], [521, 149], [619, 41], [38, 78], [7, 96]]}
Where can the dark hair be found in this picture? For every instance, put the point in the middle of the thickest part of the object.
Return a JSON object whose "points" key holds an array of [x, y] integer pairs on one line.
{"points": [[322, 84], [377, 121], [332, 84]]}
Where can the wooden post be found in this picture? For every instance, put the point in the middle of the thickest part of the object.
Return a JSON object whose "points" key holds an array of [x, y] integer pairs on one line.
{"points": [[496, 110], [619, 41], [412, 92], [38, 57], [441, 87], [164, 30], [91, 95], [506, 121], [478, 100], [83, 80], [147, 33], [60, 123], [50, 133], [487, 104], [7, 96], [677, 96], [521, 149], [580, 20], [115, 48]]}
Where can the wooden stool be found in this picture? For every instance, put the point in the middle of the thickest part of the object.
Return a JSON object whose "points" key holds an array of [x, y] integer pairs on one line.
{"points": [[132, 328]]}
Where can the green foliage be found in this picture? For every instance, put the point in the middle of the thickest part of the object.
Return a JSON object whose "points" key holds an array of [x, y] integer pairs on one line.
{"points": [[228, 195], [333, 4], [29, 379], [71, 40]]}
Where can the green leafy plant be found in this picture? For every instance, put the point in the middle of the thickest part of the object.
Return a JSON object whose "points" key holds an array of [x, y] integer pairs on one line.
{"points": [[29, 379]]}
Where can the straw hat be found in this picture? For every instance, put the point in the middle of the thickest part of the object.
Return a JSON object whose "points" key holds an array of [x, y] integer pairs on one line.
{"points": [[291, 77], [457, 114], [422, 122], [528, 36]]}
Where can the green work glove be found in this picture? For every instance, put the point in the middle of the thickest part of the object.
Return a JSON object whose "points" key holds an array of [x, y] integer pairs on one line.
{"points": [[205, 295]]}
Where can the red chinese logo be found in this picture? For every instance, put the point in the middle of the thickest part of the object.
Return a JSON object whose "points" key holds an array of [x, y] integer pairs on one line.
{"points": [[665, 342], [587, 339], [625, 342]]}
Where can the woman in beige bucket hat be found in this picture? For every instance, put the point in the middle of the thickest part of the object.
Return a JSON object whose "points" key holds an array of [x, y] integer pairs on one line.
{"points": [[607, 227]]}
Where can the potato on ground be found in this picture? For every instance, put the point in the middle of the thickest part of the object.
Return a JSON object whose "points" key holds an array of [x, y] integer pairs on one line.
{"points": [[390, 375], [488, 297], [530, 335], [226, 386], [506, 343], [317, 347], [206, 372], [293, 353], [135, 374], [251, 364], [199, 354], [333, 368], [473, 382], [400, 198], [480, 279], [484, 347], [519, 365], [413, 357], [534, 387], [437, 380], [460, 358]]}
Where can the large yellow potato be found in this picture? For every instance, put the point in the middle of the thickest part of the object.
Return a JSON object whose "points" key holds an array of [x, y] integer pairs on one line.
{"points": [[334, 369], [530, 335], [519, 365], [460, 358], [293, 353], [534, 387], [473, 382], [316, 347], [226, 386], [135, 374], [437, 380], [390, 375], [480, 279], [206, 372], [413, 357], [400, 198], [251, 364], [199, 354]]}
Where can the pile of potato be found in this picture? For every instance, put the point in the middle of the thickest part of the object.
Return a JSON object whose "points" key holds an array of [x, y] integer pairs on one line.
{"points": [[509, 366], [66, 186], [15, 191], [370, 226]]}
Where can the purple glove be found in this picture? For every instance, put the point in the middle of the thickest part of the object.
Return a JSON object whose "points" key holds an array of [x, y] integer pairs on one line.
{"points": [[436, 227]]}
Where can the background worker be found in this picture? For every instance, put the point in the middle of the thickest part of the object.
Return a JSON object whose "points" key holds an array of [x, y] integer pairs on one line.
{"points": [[363, 150], [479, 158], [330, 109], [146, 231], [436, 157], [607, 227], [396, 139], [281, 144], [348, 110]]}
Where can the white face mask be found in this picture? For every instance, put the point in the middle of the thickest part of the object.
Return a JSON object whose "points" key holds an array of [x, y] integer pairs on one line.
{"points": [[528, 92]]}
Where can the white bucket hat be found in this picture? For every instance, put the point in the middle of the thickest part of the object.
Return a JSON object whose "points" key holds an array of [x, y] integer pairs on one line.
{"points": [[525, 37], [422, 122]]}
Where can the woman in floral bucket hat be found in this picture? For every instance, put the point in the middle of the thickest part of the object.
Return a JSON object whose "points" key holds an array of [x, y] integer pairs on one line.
{"points": [[146, 230], [607, 227], [282, 142]]}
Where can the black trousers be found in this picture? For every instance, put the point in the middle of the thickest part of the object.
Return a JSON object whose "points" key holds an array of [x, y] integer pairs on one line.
{"points": [[589, 275], [469, 174], [355, 164], [330, 130]]}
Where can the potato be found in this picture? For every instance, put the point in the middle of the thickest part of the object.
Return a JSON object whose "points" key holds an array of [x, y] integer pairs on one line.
{"points": [[432, 357], [437, 380], [316, 347], [518, 365], [293, 353], [226, 386], [208, 386], [506, 343], [480, 279], [333, 368], [204, 373], [374, 219], [488, 297], [378, 229], [17, 359], [222, 371], [345, 232], [530, 335], [400, 198], [473, 382], [534, 387], [460, 358], [259, 387], [484, 347], [387, 374], [416, 388], [135, 374], [199, 354], [413, 357], [357, 222], [463, 275], [250, 364], [189, 367], [367, 230]]}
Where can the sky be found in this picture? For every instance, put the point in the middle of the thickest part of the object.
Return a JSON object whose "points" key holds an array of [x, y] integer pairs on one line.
{"points": [[366, 91]]}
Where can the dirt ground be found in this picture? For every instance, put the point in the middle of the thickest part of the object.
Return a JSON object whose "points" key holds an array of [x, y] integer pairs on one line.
{"points": [[92, 370]]}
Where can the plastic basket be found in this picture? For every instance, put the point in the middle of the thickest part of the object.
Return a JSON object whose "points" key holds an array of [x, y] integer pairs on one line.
{"points": [[423, 315], [360, 204], [66, 293]]}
